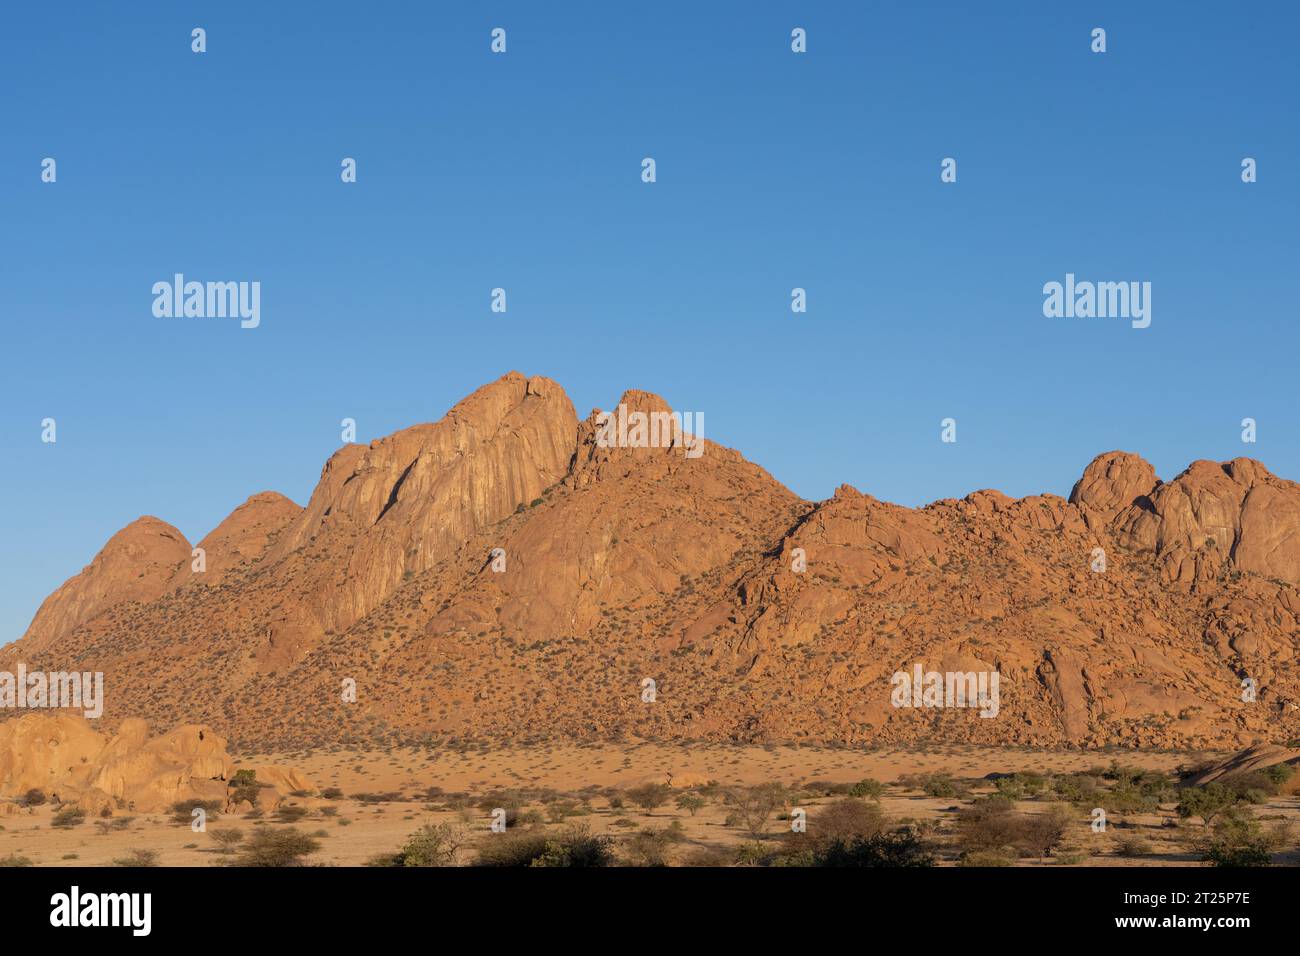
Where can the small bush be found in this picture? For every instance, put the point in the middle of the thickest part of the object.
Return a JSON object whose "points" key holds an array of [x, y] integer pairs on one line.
{"points": [[575, 848], [984, 858], [1132, 846], [272, 847], [987, 824], [183, 811], [869, 788], [899, 848], [650, 796], [138, 857], [692, 803], [227, 838], [69, 817], [1239, 840], [939, 785], [1279, 773], [431, 846], [649, 847], [844, 821]]}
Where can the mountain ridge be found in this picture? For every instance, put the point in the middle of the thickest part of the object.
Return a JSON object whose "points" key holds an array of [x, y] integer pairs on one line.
{"points": [[622, 563]]}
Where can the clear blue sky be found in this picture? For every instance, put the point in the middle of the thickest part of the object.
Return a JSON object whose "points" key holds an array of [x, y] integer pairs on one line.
{"points": [[523, 171]]}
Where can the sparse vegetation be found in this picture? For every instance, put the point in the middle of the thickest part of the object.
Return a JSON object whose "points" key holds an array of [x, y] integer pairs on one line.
{"points": [[137, 857], [227, 838], [431, 846], [650, 796], [276, 847], [753, 807], [692, 803], [576, 848], [68, 817], [1239, 840]]}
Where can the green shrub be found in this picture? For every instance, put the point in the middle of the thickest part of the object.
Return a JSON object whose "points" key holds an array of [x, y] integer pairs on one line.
{"points": [[431, 846], [754, 853], [939, 785], [650, 796], [1239, 840], [536, 848], [1206, 802], [1279, 773], [649, 847], [868, 788], [692, 803], [898, 848]]}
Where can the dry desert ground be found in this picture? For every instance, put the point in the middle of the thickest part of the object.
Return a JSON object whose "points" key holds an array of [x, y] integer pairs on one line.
{"points": [[366, 806]]}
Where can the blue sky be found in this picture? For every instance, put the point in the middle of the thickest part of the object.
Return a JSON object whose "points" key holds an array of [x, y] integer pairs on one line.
{"points": [[522, 171]]}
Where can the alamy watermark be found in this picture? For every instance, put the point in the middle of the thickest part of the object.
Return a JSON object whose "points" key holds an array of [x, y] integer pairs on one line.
{"points": [[75, 690], [1102, 300], [922, 688], [624, 429], [209, 300]]}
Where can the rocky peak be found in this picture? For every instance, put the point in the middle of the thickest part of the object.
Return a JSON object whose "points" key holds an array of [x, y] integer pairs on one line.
{"points": [[1112, 482], [136, 564]]}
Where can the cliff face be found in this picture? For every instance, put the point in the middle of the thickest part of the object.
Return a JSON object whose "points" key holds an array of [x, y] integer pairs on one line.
{"points": [[505, 573]]}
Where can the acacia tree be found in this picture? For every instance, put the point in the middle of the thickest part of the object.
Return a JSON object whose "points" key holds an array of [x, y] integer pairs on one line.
{"points": [[650, 796], [754, 806], [1205, 802]]}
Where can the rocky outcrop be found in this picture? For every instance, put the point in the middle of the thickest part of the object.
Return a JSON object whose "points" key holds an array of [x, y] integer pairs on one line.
{"points": [[1214, 516], [136, 564], [241, 540], [70, 762], [1251, 760], [1110, 484]]}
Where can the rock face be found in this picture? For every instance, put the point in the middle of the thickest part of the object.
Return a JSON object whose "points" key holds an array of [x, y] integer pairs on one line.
{"points": [[71, 762], [1110, 484], [399, 505], [1213, 515], [505, 573], [241, 540], [1249, 761], [135, 565]]}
